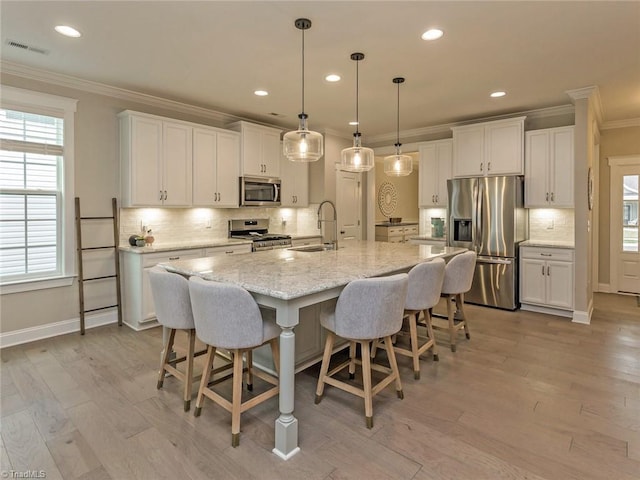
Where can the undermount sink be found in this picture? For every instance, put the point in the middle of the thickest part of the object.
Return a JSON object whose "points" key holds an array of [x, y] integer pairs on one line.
{"points": [[313, 248]]}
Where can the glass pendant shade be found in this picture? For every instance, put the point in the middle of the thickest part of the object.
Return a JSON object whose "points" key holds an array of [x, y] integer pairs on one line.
{"points": [[302, 145], [398, 165], [357, 158]]}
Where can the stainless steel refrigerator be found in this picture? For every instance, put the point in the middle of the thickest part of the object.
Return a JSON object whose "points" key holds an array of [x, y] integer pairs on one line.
{"points": [[487, 215]]}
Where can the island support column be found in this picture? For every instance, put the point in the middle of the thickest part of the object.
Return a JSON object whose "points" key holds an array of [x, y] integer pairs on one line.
{"points": [[286, 428]]}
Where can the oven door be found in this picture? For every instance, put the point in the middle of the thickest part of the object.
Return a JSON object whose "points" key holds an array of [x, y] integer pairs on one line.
{"points": [[259, 192]]}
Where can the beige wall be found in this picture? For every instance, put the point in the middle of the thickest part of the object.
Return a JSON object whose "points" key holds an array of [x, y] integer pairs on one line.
{"points": [[407, 188], [613, 142]]}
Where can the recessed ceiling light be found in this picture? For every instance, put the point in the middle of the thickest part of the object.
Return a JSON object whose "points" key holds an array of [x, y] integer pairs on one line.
{"points": [[432, 34], [332, 78], [67, 31], [498, 94], [261, 93]]}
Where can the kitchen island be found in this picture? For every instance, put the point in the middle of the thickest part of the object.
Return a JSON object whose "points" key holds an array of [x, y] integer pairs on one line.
{"points": [[288, 280]]}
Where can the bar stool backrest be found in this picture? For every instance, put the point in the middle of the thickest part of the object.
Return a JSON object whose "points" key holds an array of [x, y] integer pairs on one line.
{"points": [[371, 308], [226, 315], [170, 293], [458, 274], [425, 285]]}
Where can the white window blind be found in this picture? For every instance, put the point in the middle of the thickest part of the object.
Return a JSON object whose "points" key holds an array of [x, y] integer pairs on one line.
{"points": [[31, 163]]}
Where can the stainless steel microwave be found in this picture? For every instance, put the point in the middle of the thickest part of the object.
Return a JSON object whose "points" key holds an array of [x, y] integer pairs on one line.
{"points": [[259, 192]]}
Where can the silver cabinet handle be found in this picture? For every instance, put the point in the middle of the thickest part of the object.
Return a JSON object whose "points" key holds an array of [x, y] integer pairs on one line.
{"points": [[165, 194], [489, 167], [160, 195], [174, 258], [552, 197], [548, 270], [546, 197], [437, 198], [542, 269], [546, 255], [481, 163], [229, 252]]}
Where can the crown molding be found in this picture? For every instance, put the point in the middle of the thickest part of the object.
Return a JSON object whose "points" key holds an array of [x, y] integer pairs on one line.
{"points": [[632, 122], [590, 93], [97, 88]]}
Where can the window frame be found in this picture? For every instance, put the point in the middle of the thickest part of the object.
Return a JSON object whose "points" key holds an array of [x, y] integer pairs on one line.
{"points": [[13, 98]]}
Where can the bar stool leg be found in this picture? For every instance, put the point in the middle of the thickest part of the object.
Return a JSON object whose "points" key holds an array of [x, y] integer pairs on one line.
{"points": [[168, 348], [394, 366], [237, 398], [429, 323], [352, 363], [249, 370], [452, 328], [366, 379], [413, 332], [188, 377], [211, 353], [463, 314], [324, 368]]}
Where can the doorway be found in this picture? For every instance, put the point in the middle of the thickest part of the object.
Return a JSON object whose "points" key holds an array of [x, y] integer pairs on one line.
{"points": [[624, 250], [349, 203]]}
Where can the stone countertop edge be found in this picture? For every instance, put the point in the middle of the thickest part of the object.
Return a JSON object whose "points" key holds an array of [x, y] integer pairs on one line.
{"points": [[399, 224], [548, 243], [427, 237]]}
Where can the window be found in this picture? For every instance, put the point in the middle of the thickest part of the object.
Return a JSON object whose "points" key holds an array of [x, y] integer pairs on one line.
{"points": [[36, 190]]}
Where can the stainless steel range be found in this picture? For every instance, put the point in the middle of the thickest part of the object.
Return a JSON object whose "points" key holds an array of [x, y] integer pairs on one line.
{"points": [[257, 230]]}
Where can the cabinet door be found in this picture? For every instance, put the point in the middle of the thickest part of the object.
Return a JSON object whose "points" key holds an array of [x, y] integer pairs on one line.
{"points": [[468, 151], [561, 172], [145, 157], [295, 183], [252, 151], [271, 153], [532, 281], [560, 284], [504, 149], [204, 167], [228, 169], [444, 156], [537, 169], [177, 164], [427, 192]]}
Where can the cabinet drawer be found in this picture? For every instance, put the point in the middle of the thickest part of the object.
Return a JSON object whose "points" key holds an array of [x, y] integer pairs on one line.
{"points": [[545, 253], [227, 250], [411, 230], [149, 260]]}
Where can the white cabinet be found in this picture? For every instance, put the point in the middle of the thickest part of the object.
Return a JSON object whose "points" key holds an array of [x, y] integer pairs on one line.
{"points": [[546, 279], [138, 310], [489, 148], [259, 150], [549, 164], [295, 183], [396, 234], [155, 161], [300, 242], [434, 171], [216, 160]]}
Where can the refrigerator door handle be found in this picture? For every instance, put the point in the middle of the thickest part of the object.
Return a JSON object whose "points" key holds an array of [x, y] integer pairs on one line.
{"points": [[495, 261], [478, 220]]}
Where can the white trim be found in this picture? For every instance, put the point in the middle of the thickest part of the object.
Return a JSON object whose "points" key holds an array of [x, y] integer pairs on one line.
{"points": [[604, 288], [623, 160], [548, 310], [41, 284], [631, 122], [31, 334], [583, 318], [589, 93]]}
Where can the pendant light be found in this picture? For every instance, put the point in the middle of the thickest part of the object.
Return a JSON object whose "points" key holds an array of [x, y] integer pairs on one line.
{"points": [[302, 145], [357, 158], [398, 165]]}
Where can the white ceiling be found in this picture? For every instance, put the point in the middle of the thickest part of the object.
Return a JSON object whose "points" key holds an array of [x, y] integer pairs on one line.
{"points": [[215, 54]]}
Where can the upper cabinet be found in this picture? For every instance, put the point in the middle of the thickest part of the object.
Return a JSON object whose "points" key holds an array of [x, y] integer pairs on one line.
{"points": [[489, 148], [216, 160], [295, 183], [155, 161], [549, 168], [259, 149], [434, 171]]}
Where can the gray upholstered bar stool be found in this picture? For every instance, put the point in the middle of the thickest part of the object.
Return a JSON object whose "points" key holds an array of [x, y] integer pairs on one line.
{"points": [[226, 316], [423, 293], [458, 276], [170, 293], [367, 309]]}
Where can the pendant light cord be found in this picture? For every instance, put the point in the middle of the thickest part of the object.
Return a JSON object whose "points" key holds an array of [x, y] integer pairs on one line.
{"points": [[398, 120], [303, 71], [357, 97]]}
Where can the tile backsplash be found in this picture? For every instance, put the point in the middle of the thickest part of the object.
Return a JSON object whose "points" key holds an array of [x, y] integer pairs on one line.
{"points": [[174, 225], [556, 224]]}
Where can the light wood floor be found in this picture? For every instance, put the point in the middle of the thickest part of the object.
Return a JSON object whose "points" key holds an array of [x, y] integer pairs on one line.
{"points": [[529, 396]]}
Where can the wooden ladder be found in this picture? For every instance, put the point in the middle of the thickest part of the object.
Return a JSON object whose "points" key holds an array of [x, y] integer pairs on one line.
{"points": [[80, 251]]}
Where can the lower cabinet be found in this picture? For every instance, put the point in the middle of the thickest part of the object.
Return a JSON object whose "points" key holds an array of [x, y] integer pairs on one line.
{"points": [[400, 234], [546, 280], [299, 242], [137, 300]]}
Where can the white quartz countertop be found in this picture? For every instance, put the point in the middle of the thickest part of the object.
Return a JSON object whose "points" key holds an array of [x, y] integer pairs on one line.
{"points": [[429, 237], [288, 274], [548, 243]]}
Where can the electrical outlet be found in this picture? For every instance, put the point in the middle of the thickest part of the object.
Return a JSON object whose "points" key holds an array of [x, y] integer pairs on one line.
{"points": [[550, 224], [207, 223]]}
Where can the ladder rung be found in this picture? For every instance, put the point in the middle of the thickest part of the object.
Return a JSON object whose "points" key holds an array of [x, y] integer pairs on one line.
{"points": [[100, 308], [96, 218], [98, 248], [98, 278]]}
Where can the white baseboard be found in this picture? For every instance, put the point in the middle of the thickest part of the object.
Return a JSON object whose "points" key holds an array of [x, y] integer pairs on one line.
{"points": [[31, 334], [604, 288], [583, 317], [548, 310]]}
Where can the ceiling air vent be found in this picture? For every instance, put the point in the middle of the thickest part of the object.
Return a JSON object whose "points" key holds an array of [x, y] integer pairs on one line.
{"points": [[29, 48], [274, 114]]}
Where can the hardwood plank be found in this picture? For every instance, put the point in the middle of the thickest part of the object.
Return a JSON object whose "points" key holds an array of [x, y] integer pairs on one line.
{"points": [[26, 447], [73, 455], [62, 384]]}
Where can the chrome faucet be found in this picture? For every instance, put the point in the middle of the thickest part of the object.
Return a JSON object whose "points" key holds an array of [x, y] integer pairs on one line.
{"points": [[335, 221]]}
